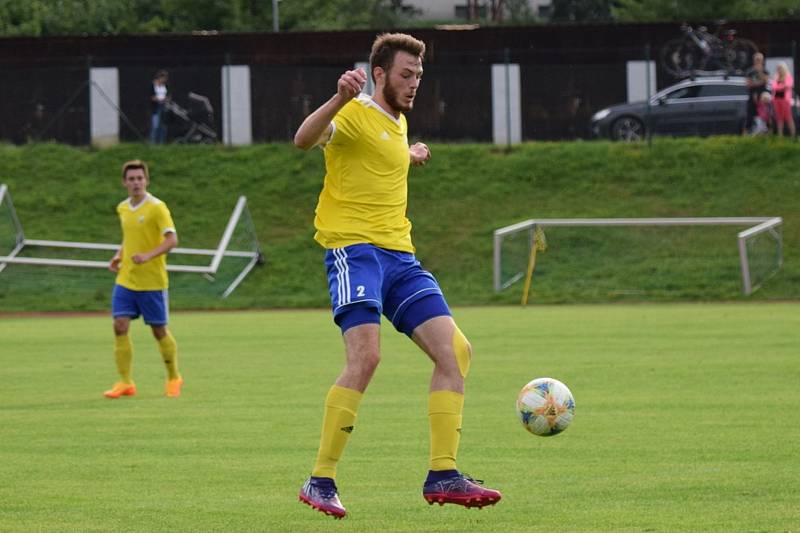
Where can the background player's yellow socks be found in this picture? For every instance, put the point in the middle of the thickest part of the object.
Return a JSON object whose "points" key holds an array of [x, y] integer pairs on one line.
{"points": [[444, 414], [123, 354], [169, 353], [341, 406]]}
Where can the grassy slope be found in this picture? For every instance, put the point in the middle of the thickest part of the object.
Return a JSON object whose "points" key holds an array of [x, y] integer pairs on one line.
{"points": [[686, 420], [456, 202]]}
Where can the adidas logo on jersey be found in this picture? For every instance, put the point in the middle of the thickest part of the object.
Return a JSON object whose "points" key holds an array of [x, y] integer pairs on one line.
{"points": [[141, 219], [385, 136]]}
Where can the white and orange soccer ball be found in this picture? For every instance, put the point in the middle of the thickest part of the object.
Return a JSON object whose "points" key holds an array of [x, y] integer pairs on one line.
{"points": [[545, 407]]}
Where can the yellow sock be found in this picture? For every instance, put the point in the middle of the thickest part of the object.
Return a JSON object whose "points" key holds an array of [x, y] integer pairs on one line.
{"points": [[169, 353], [341, 406], [444, 414], [123, 354]]}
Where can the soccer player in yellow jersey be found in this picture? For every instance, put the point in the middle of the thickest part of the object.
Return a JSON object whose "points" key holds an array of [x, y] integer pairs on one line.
{"points": [[361, 222], [148, 233]]}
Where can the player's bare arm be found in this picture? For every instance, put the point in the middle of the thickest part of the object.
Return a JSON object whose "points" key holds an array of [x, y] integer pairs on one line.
{"points": [[113, 265], [316, 127], [419, 153], [170, 242]]}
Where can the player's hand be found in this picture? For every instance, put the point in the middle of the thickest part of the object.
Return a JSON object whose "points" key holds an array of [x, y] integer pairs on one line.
{"points": [[140, 258], [419, 153], [351, 83], [113, 265]]}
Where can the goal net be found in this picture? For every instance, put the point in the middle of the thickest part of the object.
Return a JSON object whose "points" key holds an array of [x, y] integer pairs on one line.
{"points": [[37, 268], [594, 259]]}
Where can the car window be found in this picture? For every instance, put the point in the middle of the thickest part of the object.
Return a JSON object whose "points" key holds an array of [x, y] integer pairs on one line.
{"points": [[722, 90], [691, 91]]}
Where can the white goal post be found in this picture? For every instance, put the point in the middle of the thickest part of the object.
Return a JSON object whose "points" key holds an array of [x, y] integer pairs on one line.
{"points": [[759, 226], [240, 214]]}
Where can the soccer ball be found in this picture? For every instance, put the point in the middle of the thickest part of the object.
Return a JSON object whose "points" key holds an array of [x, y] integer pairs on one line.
{"points": [[545, 407]]}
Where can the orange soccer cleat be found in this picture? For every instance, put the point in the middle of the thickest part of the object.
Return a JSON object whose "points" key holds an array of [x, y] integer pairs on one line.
{"points": [[120, 389], [173, 388]]}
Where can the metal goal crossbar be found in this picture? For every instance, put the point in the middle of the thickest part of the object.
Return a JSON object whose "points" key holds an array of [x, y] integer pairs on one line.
{"points": [[759, 225], [240, 213]]}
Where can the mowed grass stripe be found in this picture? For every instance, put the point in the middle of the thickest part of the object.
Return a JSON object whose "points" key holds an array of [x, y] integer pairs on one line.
{"points": [[686, 420]]}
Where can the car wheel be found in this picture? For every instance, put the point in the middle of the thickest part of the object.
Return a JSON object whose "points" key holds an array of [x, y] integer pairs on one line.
{"points": [[627, 129]]}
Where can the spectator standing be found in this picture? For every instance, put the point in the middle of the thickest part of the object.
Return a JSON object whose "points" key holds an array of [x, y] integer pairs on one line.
{"points": [[756, 79], [159, 96], [782, 99]]}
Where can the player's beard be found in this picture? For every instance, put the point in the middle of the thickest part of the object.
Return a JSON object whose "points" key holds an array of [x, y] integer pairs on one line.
{"points": [[391, 97]]}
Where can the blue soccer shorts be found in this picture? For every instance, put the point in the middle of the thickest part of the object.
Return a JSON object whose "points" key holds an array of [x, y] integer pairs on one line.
{"points": [[153, 306], [365, 281]]}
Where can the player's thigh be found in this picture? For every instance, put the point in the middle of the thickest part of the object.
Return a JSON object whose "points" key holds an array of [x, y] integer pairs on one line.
{"points": [[362, 344]]}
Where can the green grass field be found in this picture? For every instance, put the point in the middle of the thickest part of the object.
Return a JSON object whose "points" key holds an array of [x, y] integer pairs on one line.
{"points": [[455, 203], [686, 420]]}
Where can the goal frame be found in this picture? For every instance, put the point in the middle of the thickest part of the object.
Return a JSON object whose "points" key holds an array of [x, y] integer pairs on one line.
{"points": [[757, 225], [216, 254]]}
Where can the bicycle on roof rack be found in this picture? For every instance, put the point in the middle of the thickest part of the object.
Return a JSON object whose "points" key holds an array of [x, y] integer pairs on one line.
{"points": [[700, 53]]}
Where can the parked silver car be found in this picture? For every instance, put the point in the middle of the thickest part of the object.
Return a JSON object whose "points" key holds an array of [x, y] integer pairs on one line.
{"points": [[702, 106]]}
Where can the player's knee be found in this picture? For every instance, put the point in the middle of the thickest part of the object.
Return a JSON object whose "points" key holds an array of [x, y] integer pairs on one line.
{"points": [[368, 362], [159, 332], [463, 351], [121, 325]]}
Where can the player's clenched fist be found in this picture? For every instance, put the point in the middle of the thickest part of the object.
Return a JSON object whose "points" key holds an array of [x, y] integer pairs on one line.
{"points": [[351, 83], [419, 153]]}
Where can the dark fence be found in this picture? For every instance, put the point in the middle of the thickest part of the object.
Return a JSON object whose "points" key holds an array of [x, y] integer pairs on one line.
{"points": [[567, 72]]}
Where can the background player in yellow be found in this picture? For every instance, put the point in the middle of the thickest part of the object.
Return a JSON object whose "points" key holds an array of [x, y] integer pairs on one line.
{"points": [[361, 222], [141, 288]]}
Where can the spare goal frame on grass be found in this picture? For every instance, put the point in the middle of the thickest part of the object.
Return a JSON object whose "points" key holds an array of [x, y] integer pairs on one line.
{"points": [[217, 254], [758, 225]]}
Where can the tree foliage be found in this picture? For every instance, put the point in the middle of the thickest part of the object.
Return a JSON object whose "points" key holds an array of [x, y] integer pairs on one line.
{"points": [[581, 10], [679, 10], [58, 17], [61, 17]]}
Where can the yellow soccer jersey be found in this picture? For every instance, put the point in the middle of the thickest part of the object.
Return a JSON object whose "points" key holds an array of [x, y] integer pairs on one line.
{"points": [[143, 228], [365, 194]]}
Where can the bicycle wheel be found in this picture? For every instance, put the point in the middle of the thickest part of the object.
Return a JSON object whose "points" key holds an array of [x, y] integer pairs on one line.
{"points": [[739, 55], [680, 58]]}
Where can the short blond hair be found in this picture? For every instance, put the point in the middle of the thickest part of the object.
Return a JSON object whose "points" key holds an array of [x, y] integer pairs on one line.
{"points": [[387, 45], [133, 164]]}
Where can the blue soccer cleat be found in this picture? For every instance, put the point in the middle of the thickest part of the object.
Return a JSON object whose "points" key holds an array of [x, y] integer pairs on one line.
{"points": [[320, 493], [460, 490]]}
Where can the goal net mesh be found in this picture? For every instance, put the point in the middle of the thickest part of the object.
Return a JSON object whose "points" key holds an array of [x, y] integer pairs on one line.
{"points": [[764, 255], [614, 262]]}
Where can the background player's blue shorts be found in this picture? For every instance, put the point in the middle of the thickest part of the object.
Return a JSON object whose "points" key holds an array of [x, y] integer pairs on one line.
{"points": [[365, 281], [152, 305]]}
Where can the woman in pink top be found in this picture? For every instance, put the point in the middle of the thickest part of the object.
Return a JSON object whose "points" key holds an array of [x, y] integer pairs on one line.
{"points": [[782, 89]]}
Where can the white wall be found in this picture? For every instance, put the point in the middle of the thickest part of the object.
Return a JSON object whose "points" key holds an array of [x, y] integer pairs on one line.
{"points": [[236, 117], [104, 106], [506, 104], [637, 80]]}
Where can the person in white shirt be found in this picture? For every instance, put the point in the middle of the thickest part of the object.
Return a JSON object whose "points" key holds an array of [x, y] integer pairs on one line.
{"points": [[159, 96]]}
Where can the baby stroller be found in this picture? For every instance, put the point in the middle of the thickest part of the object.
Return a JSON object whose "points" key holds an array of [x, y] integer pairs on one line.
{"points": [[197, 119]]}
